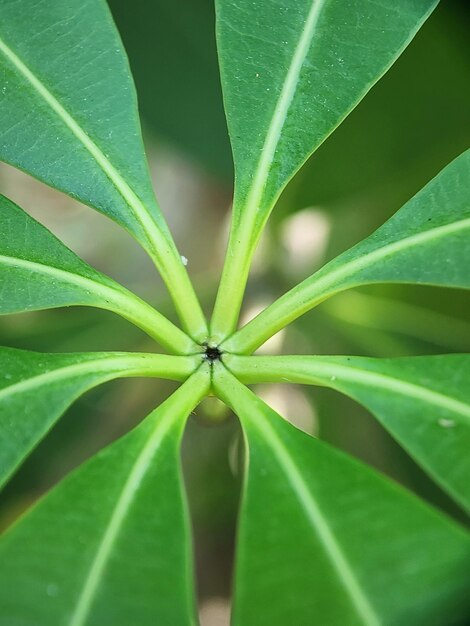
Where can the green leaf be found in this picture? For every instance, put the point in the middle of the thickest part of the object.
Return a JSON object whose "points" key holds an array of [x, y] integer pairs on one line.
{"points": [[36, 389], [37, 271], [423, 401], [68, 116], [110, 544], [322, 535], [426, 242], [68, 107], [291, 72]]}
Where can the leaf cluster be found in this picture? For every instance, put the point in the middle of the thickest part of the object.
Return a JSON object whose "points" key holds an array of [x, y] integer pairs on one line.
{"points": [[322, 538]]}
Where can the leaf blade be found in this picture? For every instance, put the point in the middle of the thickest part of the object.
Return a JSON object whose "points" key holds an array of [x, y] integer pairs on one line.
{"points": [[290, 75], [68, 116], [134, 489], [61, 22], [388, 553], [301, 39], [424, 402], [426, 242], [36, 389], [38, 271]]}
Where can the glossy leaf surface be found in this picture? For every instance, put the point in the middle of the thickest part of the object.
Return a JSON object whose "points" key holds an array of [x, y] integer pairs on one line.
{"points": [[292, 71], [68, 106], [426, 242], [35, 389], [37, 272], [423, 401], [68, 116], [111, 543], [323, 538]]}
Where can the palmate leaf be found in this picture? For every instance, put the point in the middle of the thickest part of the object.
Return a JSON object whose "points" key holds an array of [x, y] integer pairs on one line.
{"points": [[323, 539], [68, 116], [291, 72], [426, 242], [36, 389], [68, 106], [423, 401], [37, 271], [110, 544]]}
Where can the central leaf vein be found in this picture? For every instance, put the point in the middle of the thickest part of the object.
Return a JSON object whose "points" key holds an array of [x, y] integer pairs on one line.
{"points": [[282, 107], [321, 526], [152, 232]]}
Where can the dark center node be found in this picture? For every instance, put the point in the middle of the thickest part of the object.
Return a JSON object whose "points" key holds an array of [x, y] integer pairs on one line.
{"points": [[212, 353]]}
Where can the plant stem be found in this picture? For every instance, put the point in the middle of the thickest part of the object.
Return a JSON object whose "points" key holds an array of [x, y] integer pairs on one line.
{"points": [[229, 299], [111, 296], [153, 323], [276, 316], [109, 366], [180, 287], [395, 316], [334, 372], [147, 365]]}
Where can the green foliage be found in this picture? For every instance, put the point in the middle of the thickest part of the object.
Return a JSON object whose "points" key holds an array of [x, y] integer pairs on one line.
{"points": [[322, 538], [40, 387], [426, 242], [343, 511], [416, 398], [298, 70], [83, 116], [38, 272], [126, 505]]}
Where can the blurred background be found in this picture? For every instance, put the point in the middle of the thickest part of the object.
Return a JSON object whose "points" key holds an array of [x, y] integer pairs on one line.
{"points": [[412, 124]]}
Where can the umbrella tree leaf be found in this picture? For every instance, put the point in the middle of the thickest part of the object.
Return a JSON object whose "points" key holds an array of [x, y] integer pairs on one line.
{"points": [[69, 110], [68, 116], [322, 535], [111, 542], [38, 271], [291, 72], [423, 401], [36, 389], [426, 242]]}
